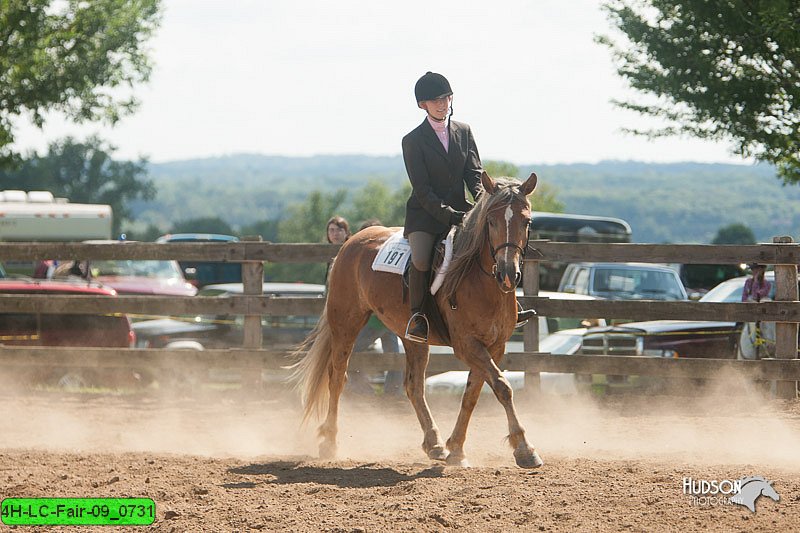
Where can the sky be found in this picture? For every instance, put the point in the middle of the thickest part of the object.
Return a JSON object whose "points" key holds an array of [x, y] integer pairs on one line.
{"points": [[306, 77]]}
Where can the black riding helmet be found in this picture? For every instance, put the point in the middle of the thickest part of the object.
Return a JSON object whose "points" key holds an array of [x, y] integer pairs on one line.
{"points": [[432, 86]]}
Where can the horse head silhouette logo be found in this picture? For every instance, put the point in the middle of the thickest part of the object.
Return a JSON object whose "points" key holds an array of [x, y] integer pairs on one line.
{"points": [[752, 488]]}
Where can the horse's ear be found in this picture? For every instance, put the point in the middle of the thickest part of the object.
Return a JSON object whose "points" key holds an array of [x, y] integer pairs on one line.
{"points": [[488, 183], [530, 184]]}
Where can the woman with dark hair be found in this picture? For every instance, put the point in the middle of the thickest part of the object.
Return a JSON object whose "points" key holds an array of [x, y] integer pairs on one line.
{"points": [[337, 230]]}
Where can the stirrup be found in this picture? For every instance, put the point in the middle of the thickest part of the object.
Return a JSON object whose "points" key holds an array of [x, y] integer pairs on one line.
{"points": [[415, 338], [529, 312]]}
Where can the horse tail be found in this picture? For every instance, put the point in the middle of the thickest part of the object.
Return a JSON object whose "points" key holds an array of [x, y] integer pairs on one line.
{"points": [[310, 374]]}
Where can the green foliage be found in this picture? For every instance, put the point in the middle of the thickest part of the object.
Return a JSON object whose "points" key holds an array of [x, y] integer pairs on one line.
{"points": [[306, 222], [375, 200], [267, 229], [84, 172], [543, 199], [148, 234], [501, 169], [717, 70], [202, 225], [736, 233], [71, 56]]}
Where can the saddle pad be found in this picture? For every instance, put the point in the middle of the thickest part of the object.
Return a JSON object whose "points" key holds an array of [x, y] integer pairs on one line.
{"points": [[393, 255], [448, 256]]}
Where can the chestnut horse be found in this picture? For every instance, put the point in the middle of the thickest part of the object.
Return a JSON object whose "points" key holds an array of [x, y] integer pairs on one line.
{"points": [[481, 281]]}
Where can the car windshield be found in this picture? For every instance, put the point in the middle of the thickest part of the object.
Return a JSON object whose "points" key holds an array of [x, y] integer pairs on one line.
{"points": [[149, 269], [637, 284]]}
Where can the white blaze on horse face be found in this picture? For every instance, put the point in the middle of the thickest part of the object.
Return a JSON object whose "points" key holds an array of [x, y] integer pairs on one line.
{"points": [[508, 215]]}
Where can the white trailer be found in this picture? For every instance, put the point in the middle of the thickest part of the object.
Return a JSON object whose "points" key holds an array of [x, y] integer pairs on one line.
{"points": [[38, 216]]}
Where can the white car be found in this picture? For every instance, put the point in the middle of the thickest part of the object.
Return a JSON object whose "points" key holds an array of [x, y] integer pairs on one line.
{"points": [[564, 342]]}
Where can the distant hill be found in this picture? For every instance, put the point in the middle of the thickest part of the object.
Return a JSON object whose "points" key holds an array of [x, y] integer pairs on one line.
{"points": [[676, 202]]}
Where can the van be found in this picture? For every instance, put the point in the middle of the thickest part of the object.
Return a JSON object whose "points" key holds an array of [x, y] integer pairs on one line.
{"points": [[202, 273], [563, 227]]}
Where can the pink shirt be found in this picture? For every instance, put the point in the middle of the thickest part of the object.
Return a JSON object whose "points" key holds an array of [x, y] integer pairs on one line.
{"points": [[755, 291], [442, 131]]}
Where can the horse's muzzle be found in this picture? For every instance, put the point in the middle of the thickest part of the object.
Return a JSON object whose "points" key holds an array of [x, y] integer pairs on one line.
{"points": [[504, 273]]}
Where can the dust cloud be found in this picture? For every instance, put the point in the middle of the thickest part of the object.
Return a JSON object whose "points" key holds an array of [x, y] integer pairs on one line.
{"points": [[727, 421]]}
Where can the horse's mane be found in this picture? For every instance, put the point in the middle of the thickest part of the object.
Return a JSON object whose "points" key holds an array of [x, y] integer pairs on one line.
{"points": [[469, 239]]}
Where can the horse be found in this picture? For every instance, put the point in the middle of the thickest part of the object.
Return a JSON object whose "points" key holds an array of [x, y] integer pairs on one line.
{"points": [[752, 488], [477, 302]]}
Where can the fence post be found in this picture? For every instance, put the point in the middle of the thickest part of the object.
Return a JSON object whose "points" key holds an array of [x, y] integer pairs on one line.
{"points": [[253, 285], [530, 339], [785, 332]]}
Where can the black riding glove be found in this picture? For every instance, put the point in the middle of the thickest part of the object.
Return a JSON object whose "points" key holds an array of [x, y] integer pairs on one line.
{"points": [[456, 217]]}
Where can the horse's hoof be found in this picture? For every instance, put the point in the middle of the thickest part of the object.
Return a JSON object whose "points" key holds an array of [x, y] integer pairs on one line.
{"points": [[460, 461], [438, 453], [327, 450], [527, 458]]}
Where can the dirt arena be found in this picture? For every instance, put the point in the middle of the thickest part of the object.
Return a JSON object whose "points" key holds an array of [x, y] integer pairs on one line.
{"points": [[223, 461]]}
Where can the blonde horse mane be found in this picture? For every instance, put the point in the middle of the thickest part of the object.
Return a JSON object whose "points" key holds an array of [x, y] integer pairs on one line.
{"points": [[470, 238]]}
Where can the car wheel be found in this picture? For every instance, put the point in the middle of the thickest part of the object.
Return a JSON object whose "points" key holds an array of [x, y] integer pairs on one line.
{"points": [[73, 379]]}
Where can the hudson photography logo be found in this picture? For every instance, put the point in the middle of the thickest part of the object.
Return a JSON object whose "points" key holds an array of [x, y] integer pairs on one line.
{"points": [[745, 491]]}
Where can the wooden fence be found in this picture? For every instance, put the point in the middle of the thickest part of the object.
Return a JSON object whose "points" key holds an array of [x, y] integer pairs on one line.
{"points": [[785, 310]]}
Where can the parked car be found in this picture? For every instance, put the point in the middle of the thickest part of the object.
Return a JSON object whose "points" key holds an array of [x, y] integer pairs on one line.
{"points": [[623, 281], [681, 338], [562, 342], [225, 331], [132, 276], [701, 278], [202, 273], [44, 329]]}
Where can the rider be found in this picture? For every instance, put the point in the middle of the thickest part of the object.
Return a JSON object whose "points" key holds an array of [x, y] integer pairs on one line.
{"points": [[441, 158]]}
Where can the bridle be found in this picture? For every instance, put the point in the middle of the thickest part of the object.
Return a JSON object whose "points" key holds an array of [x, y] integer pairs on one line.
{"points": [[513, 245]]}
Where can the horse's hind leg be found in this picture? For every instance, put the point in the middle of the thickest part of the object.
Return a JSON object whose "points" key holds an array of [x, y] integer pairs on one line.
{"points": [[342, 340], [416, 364]]}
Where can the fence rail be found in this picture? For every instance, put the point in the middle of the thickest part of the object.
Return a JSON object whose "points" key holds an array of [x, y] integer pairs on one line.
{"points": [[785, 311]]}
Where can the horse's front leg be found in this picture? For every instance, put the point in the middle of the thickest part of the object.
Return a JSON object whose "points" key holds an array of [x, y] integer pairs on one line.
{"points": [[483, 364], [416, 364], [455, 444]]}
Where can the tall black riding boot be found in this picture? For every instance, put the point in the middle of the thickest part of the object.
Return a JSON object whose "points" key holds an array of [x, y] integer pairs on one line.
{"points": [[417, 329]]}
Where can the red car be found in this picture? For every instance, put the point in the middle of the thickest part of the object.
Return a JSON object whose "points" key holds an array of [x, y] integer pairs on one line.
{"points": [[41, 329]]}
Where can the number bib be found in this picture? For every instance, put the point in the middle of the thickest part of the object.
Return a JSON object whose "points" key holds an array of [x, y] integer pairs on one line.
{"points": [[393, 255]]}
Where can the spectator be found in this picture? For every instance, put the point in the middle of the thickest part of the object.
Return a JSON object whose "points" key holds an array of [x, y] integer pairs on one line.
{"points": [[756, 336], [756, 288], [337, 232]]}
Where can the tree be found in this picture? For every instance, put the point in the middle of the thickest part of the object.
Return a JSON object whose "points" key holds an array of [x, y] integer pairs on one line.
{"points": [[306, 222], [543, 199], [86, 173], [72, 56], [734, 234], [202, 225], [716, 70], [267, 229], [376, 200]]}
